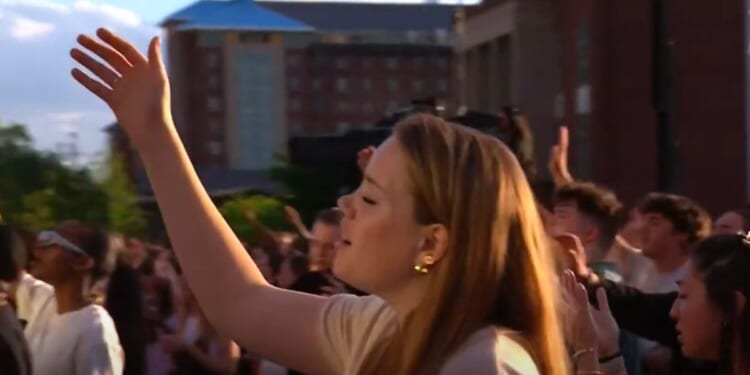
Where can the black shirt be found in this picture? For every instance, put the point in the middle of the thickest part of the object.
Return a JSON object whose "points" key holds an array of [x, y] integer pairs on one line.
{"points": [[647, 315]]}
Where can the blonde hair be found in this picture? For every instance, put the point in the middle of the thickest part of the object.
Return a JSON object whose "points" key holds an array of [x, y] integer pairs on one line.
{"points": [[497, 269]]}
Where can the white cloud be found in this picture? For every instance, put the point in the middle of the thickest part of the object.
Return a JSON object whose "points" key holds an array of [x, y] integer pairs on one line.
{"points": [[24, 28], [37, 90], [66, 117], [44, 4], [124, 16]]}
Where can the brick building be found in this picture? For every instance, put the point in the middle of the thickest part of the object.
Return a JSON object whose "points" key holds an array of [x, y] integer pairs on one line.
{"points": [[247, 75], [654, 91]]}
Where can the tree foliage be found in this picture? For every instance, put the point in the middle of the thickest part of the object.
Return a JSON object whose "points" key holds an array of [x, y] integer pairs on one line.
{"points": [[37, 190], [309, 190], [123, 211], [269, 211]]}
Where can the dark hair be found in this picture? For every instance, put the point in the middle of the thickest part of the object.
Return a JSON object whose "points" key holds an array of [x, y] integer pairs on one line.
{"points": [[724, 263], [330, 216], [94, 242], [597, 202], [299, 264], [685, 215], [12, 254], [123, 293]]}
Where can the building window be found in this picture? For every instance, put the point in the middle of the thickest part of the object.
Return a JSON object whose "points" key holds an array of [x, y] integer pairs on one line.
{"points": [[214, 126], [366, 84], [342, 63], [316, 85], [392, 63], [442, 86], [215, 148], [367, 64], [295, 105], [418, 62], [342, 127], [367, 107], [417, 86], [297, 129], [212, 59], [213, 82], [293, 83], [392, 106], [392, 85], [342, 106], [292, 60], [341, 84], [442, 62], [214, 104]]}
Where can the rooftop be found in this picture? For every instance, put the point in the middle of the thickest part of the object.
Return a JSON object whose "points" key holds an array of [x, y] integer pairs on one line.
{"points": [[231, 15], [311, 16]]}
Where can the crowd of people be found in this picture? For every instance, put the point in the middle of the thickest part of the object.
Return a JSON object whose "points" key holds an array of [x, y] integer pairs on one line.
{"points": [[443, 261]]}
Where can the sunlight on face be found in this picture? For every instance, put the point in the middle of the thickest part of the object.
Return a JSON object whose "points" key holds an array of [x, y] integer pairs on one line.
{"points": [[379, 229], [698, 322]]}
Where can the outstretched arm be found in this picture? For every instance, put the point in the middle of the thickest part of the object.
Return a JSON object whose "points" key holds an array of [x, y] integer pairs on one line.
{"points": [[228, 285]]}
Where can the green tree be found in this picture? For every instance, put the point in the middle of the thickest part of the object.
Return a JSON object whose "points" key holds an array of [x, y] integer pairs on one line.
{"points": [[38, 190], [123, 211], [306, 189], [269, 211]]}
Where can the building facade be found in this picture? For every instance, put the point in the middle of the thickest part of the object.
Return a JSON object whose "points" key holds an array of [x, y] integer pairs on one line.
{"points": [[248, 75], [654, 91]]}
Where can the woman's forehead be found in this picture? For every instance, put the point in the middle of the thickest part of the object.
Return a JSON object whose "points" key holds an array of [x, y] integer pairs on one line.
{"points": [[387, 168]]}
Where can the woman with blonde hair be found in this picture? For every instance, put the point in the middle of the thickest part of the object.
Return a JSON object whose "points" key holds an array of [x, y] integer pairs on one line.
{"points": [[443, 232]]}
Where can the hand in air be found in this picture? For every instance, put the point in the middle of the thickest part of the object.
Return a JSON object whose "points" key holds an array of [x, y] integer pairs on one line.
{"points": [[558, 159], [363, 157], [593, 328], [134, 86]]}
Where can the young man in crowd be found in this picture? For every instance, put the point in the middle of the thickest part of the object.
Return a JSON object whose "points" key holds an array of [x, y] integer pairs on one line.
{"points": [[80, 337], [591, 213], [672, 226], [321, 252]]}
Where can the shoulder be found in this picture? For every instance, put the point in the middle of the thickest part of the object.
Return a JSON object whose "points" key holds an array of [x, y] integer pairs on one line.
{"points": [[491, 351], [99, 327]]}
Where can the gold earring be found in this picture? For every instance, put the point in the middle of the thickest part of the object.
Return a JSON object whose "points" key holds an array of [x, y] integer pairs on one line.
{"points": [[426, 262]]}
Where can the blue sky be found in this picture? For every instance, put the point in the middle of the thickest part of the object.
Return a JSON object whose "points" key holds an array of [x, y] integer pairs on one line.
{"points": [[152, 11]]}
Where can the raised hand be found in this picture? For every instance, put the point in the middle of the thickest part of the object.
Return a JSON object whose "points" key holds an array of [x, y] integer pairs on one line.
{"points": [[363, 157], [134, 86], [592, 327], [574, 254], [558, 159]]}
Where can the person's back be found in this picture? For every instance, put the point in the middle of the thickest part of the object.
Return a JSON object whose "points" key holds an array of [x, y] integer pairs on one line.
{"points": [[14, 353]]}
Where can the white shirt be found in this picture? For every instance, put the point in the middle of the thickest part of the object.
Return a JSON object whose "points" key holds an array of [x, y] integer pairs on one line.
{"points": [[81, 342], [35, 304], [655, 282]]}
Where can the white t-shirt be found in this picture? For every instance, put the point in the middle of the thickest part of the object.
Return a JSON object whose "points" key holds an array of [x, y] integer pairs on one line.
{"points": [[35, 304], [352, 326], [81, 342]]}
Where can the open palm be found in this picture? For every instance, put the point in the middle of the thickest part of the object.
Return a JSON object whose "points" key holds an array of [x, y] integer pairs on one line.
{"points": [[133, 86], [593, 327]]}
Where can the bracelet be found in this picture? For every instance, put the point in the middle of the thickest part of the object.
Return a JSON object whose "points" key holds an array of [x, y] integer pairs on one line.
{"points": [[582, 352], [610, 357]]}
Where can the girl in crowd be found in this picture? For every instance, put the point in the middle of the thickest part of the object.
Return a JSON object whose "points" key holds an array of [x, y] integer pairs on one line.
{"points": [[443, 232], [711, 310]]}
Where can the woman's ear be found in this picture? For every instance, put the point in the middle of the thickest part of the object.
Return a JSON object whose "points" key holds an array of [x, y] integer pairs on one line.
{"points": [[434, 244]]}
